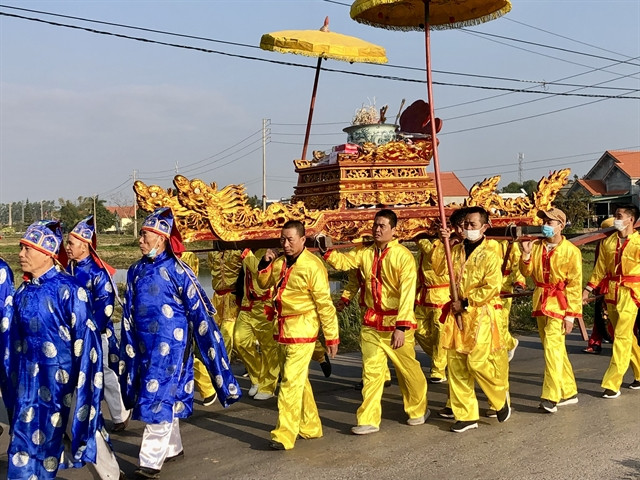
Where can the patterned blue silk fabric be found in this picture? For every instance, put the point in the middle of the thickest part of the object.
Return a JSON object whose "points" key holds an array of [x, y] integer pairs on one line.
{"points": [[165, 310], [100, 289], [6, 312], [53, 346]]}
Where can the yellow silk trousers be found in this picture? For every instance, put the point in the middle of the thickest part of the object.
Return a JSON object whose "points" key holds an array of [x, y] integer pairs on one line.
{"points": [[477, 366], [262, 365], [625, 345], [503, 324], [376, 348], [559, 381], [428, 337], [318, 352], [297, 410], [202, 379], [225, 317]]}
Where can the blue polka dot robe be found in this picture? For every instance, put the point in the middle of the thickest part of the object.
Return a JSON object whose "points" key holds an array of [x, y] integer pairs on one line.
{"points": [[52, 350], [165, 310], [101, 291]]}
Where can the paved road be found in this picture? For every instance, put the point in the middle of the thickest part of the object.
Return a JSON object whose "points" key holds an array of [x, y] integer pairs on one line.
{"points": [[596, 439]]}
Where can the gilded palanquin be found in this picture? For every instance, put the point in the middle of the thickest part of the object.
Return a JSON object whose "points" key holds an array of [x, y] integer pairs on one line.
{"points": [[337, 196]]}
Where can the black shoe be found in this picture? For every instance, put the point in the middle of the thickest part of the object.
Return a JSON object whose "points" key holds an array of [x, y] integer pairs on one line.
{"points": [[245, 374], [505, 412], [635, 385], [358, 386], [210, 400], [145, 472], [610, 394], [387, 383], [593, 349], [177, 456], [276, 445], [122, 476], [326, 366], [446, 412], [460, 427], [548, 406], [119, 427]]}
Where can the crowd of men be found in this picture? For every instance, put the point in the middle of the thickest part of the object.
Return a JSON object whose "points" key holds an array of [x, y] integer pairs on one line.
{"points": [[62, 356]]}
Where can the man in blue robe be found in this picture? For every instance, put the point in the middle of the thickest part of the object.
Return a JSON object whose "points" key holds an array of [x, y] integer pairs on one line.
{"points": [[51, 349], [95, 275], [6, 312], [165, 310]]}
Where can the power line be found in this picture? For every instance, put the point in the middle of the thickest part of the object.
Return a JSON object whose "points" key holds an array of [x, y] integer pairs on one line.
{"points": [[567, 50], [246, 57], [189, 165], [552, 159]]}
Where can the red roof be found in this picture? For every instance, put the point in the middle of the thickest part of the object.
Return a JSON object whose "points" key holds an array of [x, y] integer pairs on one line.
{"points": [[452, 186], [594, 187], [122, 212], [628, 161]]}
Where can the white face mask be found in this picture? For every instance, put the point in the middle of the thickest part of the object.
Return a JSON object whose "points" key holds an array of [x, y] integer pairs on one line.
{"points": [[472, 235], [619, 225]]}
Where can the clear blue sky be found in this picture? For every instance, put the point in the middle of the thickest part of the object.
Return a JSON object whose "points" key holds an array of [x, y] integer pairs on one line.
{"points": [[79, 111]]}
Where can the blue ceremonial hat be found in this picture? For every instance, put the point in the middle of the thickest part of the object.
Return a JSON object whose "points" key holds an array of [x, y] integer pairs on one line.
{"points": [[161, 222], [85, 231], [46, 237]]}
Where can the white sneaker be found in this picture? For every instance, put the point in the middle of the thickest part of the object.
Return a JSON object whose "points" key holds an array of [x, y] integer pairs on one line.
{"points": [[253, 390], [364, 429], [512, 352], [263, 396], [568, 401], [419, 420]]}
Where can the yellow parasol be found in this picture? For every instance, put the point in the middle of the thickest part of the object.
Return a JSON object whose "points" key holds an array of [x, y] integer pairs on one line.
{"points": [[322, 44], [424, 15]]}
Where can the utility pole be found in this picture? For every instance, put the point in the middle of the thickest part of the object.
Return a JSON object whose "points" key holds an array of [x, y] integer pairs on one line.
{"points": [[10, 216], [520, 160], [264, 163], [135, 210], [176, 167]]}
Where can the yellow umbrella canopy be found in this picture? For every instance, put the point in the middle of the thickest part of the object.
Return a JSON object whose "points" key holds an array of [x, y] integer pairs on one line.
{"points": [[322, 44], [316, 43], [443, 14]]}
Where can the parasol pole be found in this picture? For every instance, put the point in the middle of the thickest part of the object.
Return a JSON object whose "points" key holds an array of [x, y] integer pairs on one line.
{"points": [[313, 103], [436, 163]]}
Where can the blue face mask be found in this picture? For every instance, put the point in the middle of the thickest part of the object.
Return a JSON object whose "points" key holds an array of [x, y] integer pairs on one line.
{"points": [[152, 253], [548, 231]]}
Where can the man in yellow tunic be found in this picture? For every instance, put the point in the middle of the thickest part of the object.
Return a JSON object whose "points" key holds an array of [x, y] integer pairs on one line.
{"points": [[263, 364], [617, 272], [555, 265], [512, 280], [476, 265], [225, 267], [388, 270], [302, 303], [431, 296]]}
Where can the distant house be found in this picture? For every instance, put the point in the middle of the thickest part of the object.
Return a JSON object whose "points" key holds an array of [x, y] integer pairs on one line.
{"points": [[453, 190], [614, 179], [124, 218]]}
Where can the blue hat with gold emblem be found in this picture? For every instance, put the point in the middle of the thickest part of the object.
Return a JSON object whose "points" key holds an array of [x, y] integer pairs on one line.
{"points": [[85, 231], [161, 222], [46, 237]]}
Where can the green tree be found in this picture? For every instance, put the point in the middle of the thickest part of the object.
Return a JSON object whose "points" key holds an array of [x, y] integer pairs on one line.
{"points": [[69, 214], [513, 187], [576, 207], [254, 201]]}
